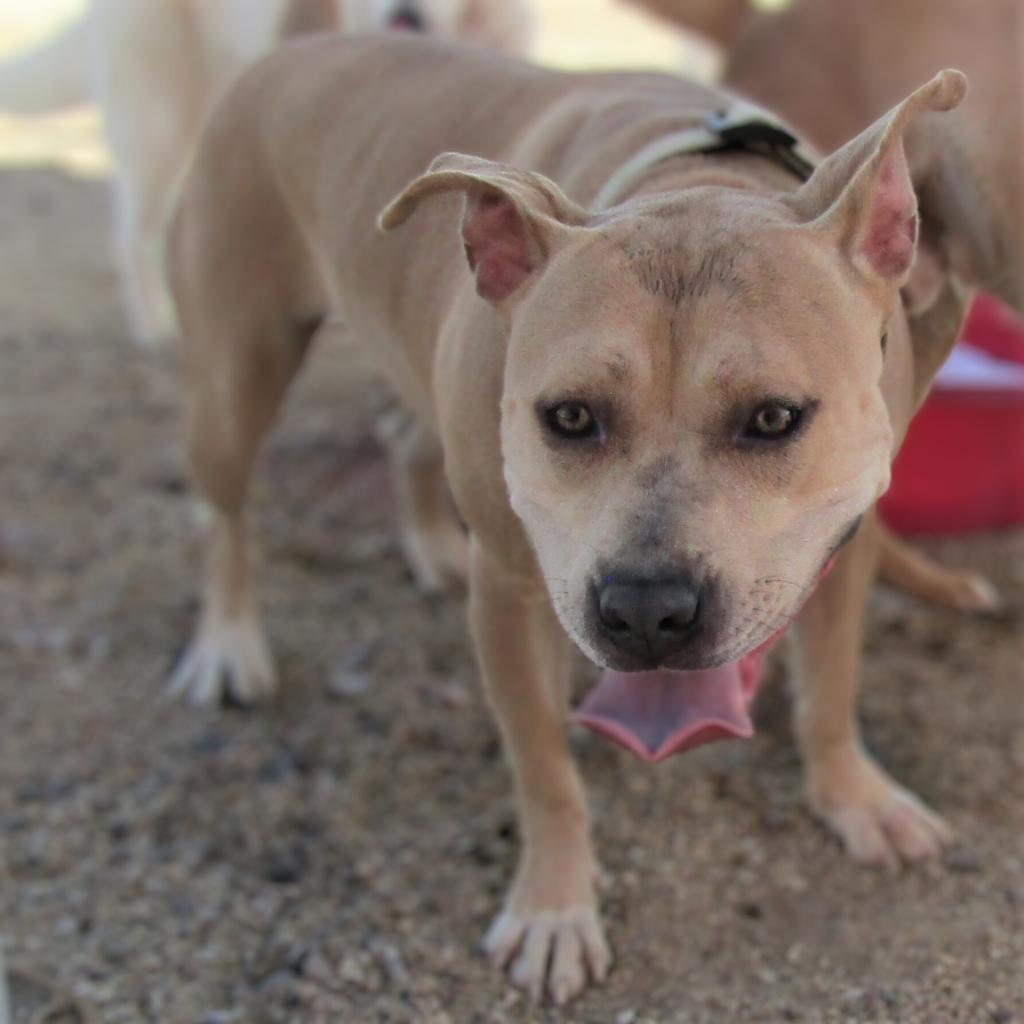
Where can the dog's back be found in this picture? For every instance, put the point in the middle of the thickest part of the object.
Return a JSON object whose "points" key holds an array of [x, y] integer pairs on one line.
{"points": [[340, 125]]}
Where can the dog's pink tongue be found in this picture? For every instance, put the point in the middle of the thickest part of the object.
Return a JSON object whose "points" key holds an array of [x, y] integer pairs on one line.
{"points": [[657, 714]]}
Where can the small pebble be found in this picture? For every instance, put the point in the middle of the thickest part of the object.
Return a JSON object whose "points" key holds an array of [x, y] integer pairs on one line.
{"points": [[343, 684], [962, 860]]}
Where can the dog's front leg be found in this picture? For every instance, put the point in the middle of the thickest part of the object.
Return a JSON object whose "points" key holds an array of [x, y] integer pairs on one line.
{"points": [[549, 930], [878, 821]]}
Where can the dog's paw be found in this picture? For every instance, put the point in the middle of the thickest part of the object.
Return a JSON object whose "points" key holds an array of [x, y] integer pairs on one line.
{"points": [[878, 821], [550, 952], [226, 662]]}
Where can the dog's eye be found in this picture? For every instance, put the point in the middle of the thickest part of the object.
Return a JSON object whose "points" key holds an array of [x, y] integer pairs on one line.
{"points": [[772, 421], [572, 420]]}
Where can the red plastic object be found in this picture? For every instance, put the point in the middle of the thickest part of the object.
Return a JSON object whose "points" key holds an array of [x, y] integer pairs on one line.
{"points": [[961, 468], [995, 329]]}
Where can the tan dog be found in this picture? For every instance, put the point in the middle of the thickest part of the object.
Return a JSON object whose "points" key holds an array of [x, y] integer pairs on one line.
{"points": [[155, 68], [660, 421]]}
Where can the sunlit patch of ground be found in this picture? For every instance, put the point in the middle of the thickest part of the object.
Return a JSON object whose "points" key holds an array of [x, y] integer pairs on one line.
{"points": [[71, 139]]}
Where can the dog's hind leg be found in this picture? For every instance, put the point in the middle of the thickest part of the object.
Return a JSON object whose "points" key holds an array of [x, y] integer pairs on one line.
{"points": [[227, 659], [903, 566], [235, 400], [878, 821], [250, 298], [432, 538]]}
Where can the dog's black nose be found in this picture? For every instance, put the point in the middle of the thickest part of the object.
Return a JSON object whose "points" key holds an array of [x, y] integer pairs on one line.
{"points": [[409, 19], [653, 618]]}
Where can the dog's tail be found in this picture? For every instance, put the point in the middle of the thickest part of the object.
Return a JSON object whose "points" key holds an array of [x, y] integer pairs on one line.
{"points": [[908, 569], [52, 76]]}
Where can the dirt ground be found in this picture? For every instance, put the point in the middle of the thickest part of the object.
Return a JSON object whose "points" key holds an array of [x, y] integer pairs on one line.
{"points": [[336, 856]]}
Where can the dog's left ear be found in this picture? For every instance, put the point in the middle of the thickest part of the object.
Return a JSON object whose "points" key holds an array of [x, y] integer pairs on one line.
{"points": [[512, 220], [863, 195]]}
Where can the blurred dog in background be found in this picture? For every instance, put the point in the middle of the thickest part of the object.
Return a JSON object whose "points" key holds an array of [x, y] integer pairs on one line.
{"points": [[155, 68], [828, 66]]}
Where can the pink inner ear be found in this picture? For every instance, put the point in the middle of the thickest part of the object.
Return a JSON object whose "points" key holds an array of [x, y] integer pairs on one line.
{"points": [[497, 246], [891, 234]]}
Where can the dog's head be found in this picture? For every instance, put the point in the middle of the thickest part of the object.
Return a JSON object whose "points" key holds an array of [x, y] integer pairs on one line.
{"points": [[697, 403]]}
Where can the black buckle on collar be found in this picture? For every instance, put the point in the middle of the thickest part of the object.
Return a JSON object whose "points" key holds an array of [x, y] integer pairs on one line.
{"points": [[764, 138]]}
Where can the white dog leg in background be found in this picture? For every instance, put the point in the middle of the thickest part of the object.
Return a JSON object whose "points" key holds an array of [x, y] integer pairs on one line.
{"points": [[140, 217], [150, 86]]}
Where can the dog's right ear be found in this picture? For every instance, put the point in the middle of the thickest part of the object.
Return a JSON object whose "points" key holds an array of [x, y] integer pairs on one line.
{"points": [[864, 197], [512, 220]]}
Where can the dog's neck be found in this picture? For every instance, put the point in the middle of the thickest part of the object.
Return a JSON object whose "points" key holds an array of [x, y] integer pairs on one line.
{"points": [[743, 171], [741, 146]]}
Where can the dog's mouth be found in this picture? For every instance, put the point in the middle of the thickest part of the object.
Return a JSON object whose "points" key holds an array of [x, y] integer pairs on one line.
{"points": [[664, 712], [667, 711]]}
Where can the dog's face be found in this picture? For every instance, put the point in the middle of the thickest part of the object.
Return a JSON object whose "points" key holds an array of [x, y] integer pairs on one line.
{"points": [[693, 418], [691, 423]]}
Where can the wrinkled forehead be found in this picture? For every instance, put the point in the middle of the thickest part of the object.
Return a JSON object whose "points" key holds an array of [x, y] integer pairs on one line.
{"points": [[716, 281], [745, 253]]}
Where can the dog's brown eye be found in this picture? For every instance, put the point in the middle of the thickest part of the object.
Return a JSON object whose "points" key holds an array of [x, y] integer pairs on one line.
{"points": [[772, 421], [571, 419]]}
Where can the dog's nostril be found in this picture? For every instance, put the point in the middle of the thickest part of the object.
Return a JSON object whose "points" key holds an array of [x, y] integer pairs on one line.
{"points": [[611, 616], [680, 609], [673, 624], [658, 615]]}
